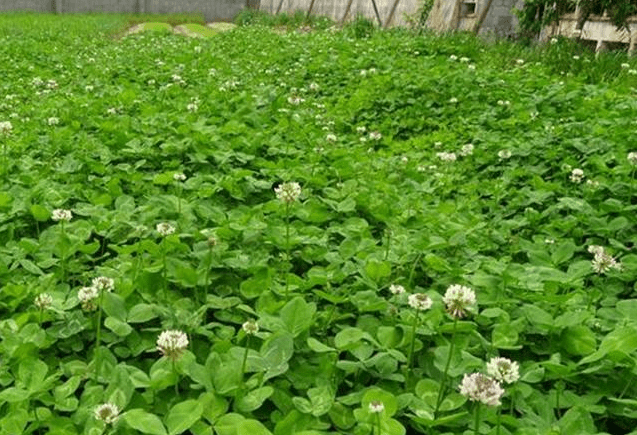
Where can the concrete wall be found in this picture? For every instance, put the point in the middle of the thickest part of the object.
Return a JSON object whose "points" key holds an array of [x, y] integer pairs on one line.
{"points": [[335, 9], [213, 10]]}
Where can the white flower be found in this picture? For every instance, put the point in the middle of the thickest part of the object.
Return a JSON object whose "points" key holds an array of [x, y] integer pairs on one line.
{"points": [[577, 175], [504, 154], [576, 57], [520, 61], [375, 135], [330, 138], [632, 158], [447, 157], [295, 100], [361, 129], [596, 249], [471, 67], [87, 297], [151, 82], [625, 65], [314, 86], [288, 192], [549, 241], [420, 301], [107, 412], [503, 370], [103, 283], [165, 228], [192, 107], [43, 301], [404, 159], [453, 57], [481, 388], [602, 262], [172, 344], [376, 406], [632, 72], [459, 299], [464, 59], [198, 49], [61, 215], [553, 40], [53, 121], [89, 88], [179, 176], [397, 289], [250, 327], [467, 150], [5, 127], [111, 111], [453, 100]]}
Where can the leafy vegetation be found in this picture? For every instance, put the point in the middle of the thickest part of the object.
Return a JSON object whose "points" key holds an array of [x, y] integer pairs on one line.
{"points": [[246, 211]]}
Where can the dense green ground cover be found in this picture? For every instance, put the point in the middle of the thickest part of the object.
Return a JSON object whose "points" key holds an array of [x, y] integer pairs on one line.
{"points": [[375, 130]]}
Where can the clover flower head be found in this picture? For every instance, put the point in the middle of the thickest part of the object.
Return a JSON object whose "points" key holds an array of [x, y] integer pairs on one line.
{"points": [[602, 262], [632, 158], [295, 100], [103, 283], [453, 100], [376, 406], [447, 157], [5, 127], [481, 388], [88, 298], [625, 65], [172, 344], [453, 57], [43, 301], [331, 138], [288, 192], [361, 129], [107, 412], [179, 176], [165, 228], [250, 327], [396, 289], [503, 370], [420, 301], [459, 299], [314, 86], [520, 61], [53, 120], [467, 150], [375, 135], [60, 214], [577, 175], [596, 249], [504, 154]]}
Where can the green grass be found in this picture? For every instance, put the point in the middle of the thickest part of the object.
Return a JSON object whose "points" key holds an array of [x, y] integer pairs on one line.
{"points": [[375, 128]]}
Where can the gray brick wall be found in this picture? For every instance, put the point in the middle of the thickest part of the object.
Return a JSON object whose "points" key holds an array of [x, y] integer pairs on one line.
{"points": [[213, 10]]}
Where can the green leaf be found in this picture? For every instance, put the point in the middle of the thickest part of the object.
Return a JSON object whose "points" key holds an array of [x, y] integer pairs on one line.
{"points": [[628, 307], [616, 345], [5, 199], [322, 399], [318, 347], [579, 340], [378, 270], [577, 420], [297, 315], [144, 422], [504, 336], [347, 337], [141, 313], [228, 424], [121, 329], [183, 415], [254, 399], [378, 395], [40, 213], [115, 306], [257, 284]]}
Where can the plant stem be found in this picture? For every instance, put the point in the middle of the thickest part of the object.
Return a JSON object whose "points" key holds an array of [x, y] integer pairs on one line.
{"points": [[443, 383], [287, 249], [164, 269], [497, 430], [40, 317], [413, 270], [177, 375], [98, 337], [477, 421], [245, 359], [388, 243], [207, 275], [378, 423], [413, 342]]}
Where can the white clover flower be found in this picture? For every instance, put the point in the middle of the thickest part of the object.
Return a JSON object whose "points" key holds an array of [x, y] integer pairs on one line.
{"points": [[51, 84], [553, 41], [172, 344], [376, 406], [88, 298], [596, 249], [250, 327], [625, 65], [404, 159], [331, 138], [464, 59], [53, 120], [165, 228], [520, 61], [295, 100], [577, 175], [632, 72], [89, 88], [375, 135], [179, 176], [467, 150], [43, 301], [361, 129], [576, 57], [37, 81], [453, 100], [111, 111], [151, 82], [632, 158], [447, 157], [107, 412], [504, 154], [420, 301], [592, 183], [192, 107], [603, 262], [198, 49], [459, 299], [503, 370], [481, 388], [314, 86], [471, 67], [549, 241], [60, 214], [5, 127], [453, 57], [397, 289], [103, 283], [288, 192]]}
